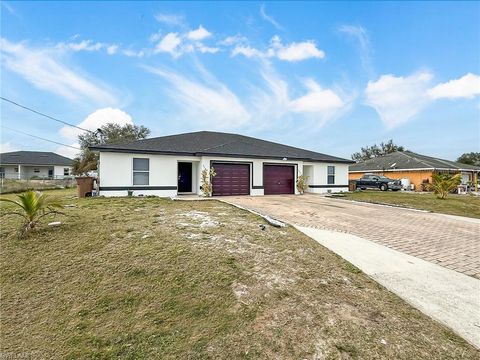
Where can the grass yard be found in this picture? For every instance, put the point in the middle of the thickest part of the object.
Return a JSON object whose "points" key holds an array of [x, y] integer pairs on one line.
{"points": [[143, 278], [462, 205]]}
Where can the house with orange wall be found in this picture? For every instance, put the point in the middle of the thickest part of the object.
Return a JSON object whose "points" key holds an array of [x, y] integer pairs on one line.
{"points": [[418, 169]]}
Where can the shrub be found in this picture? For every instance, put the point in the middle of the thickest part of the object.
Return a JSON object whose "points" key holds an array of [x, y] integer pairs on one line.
{"points": [[33, 207], [302, 183], [442, 184], [205, 183]]}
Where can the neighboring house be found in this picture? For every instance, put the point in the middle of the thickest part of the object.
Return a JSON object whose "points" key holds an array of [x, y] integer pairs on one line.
{"points": [[34, 164], [171, 165], [415, 167]]}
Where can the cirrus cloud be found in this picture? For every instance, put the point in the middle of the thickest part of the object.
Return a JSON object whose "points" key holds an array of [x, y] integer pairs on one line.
{"points": [[44, 68]]}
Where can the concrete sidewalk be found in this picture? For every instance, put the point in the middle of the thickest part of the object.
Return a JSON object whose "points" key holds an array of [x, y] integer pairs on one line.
{"points": [[449, 297]]}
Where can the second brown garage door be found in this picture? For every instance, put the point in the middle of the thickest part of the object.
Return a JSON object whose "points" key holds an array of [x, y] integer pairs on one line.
{"points": [[231, 179], [278, 179]]}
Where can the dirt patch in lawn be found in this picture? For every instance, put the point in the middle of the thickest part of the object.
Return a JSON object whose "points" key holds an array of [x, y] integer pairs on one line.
{"points": [[151, 278]]}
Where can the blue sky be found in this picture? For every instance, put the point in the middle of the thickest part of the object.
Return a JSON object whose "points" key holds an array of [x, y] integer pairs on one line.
{"points": [[330, 77]]}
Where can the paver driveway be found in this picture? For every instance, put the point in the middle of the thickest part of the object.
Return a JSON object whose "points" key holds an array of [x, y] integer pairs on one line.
{"points": [[452, 242]]}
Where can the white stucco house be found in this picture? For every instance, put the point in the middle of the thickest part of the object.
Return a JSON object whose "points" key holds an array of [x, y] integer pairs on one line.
{"points": [[25, 165], [172, 165]]}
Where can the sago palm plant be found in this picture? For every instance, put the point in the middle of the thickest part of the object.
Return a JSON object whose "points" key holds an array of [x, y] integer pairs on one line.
{"points": [[442, 184], [33, 207]]}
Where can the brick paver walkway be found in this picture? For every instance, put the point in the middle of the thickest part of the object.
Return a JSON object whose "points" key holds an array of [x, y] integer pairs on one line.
{"points": [[448, 241]]}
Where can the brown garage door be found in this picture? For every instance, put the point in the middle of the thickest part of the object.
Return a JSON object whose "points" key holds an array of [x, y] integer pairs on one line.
{"points": [[278, 179], [231, 179]]}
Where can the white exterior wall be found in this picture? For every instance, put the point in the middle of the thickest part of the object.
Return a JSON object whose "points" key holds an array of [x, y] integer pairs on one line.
{"points": [[116, 173], [318, 177], [9, 171], [58, 171], [28, 171]]}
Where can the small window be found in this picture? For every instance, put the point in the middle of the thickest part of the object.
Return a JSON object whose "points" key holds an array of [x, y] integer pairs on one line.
{"points": [[141, 171], [35, 170], [331, 175], [16, 169], [66, 171]]}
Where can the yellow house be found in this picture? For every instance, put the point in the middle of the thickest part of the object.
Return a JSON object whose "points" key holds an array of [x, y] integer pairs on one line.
{"points": [[418, 169]]}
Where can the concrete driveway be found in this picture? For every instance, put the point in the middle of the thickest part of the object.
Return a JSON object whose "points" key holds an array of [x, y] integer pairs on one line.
{"points": [[399, 248], [449, 241]]}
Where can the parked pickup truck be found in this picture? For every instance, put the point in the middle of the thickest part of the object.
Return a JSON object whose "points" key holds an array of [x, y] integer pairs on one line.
{"points": [[373, 181]]}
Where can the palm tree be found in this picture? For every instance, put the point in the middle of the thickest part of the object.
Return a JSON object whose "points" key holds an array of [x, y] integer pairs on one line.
{"points": [[33, 207], [442, 184]]}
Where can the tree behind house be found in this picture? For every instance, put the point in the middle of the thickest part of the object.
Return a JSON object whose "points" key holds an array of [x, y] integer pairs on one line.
{"points": [[107, 134], [375, 150], [472, 158]]}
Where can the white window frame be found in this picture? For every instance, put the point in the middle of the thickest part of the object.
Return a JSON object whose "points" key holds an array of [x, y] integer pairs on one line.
{"points": [[36, 170], [140, 171], [66, 171], [332, 174]]}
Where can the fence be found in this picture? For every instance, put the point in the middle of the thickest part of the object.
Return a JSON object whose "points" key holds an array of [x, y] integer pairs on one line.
{"points": [[19, 185]]}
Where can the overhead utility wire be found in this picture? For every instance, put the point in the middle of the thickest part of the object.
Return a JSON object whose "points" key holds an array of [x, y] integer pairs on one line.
{"points": [[45, 115], [38, 137]]}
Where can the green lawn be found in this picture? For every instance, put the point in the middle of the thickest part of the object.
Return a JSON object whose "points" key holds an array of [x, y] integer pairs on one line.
{"points": [[143, 278], [462, 205]]}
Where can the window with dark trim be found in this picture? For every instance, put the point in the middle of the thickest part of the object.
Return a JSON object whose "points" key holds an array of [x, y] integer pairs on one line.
{"points": [[141, 171], [330, 175]]}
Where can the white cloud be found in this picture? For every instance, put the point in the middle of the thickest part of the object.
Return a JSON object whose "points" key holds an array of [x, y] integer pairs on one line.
{"points": [[316, 100], [467, 86], [170, 19], [199, 34], [43, 69], [398, 99], [206, 49], [169, 44], [233, 40], [112, 49], [84, 45], [247, 51], [300, 51], [292, 52], [208, 102], [96, 120], [68, 151], [269, 18], [133, 53], [7, 147]]}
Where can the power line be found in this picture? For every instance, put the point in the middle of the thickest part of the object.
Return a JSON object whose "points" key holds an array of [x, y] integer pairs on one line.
{"points": [[45, 115], [38, 137]]}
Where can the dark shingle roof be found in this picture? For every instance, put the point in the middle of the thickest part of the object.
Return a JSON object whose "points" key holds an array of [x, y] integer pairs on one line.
{"points": [[218, 144], [34, 158], [408, 160]]}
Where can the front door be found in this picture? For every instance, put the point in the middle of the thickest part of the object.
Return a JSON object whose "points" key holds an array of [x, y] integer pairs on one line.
{"points": [[184, 177], [50, 173]]}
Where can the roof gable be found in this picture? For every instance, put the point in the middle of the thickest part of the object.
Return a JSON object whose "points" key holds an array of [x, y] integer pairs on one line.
{"points": [[34, 158], [403, 160], [221, 144]]}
